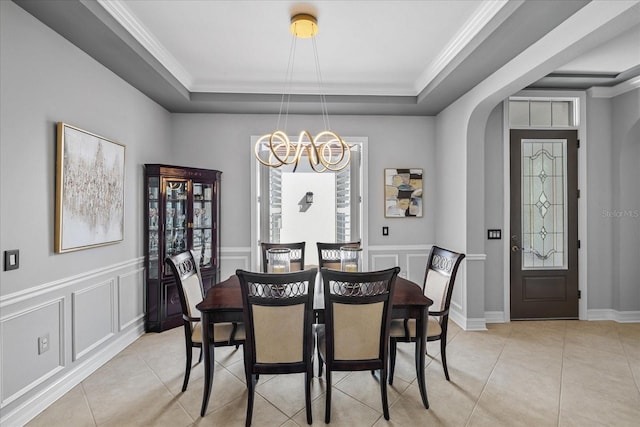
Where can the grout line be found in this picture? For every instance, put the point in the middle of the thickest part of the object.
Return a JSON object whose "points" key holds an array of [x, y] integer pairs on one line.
{"points": [[86, 400], [564, 345], [488, 377], [636, 380]]}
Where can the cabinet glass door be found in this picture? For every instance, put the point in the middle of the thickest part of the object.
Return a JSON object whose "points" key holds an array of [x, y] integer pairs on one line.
{"points": [[154, 222], [202, 223], [175, 226]]}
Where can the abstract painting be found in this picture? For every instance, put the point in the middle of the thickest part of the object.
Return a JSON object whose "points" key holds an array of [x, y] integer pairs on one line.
{"points": [[402, 193], [89, 190]]}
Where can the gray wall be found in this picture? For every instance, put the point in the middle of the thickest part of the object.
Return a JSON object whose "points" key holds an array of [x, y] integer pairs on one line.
{"points": [[45, 80], [626, 143], [600, 197], [90, 302], [613, 159], [493, 211], [223, 142]]}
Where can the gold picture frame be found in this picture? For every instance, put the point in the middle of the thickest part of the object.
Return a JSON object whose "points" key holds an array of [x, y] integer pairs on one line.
{"points": [[403, 193], [89, 190]]}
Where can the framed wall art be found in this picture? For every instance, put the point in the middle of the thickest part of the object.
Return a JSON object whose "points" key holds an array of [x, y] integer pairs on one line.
{"points": [[89, 190], [402, 193]]}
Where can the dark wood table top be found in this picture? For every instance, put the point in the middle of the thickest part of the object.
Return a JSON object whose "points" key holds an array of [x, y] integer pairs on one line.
{"points": [[226, 296]]}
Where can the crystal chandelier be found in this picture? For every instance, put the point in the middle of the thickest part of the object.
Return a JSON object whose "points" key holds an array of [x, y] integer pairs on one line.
{"points": [[326, 151]]}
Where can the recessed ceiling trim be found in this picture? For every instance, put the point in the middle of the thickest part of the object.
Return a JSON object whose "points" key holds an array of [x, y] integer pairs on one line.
{"points": [[377, 89], [121, 13], [483, 15], [619, 89]]}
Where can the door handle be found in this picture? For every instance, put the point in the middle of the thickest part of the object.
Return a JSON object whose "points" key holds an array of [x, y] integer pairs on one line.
{"points": [[515, 248]]}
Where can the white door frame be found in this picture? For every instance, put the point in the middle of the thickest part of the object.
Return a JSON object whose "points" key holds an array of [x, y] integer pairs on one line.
{"points": [[364, 200]]}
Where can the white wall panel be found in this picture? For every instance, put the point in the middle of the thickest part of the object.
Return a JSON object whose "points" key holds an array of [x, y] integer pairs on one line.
{"points": [[130, 298], [22, 368], [230, 263], [92, 317]]}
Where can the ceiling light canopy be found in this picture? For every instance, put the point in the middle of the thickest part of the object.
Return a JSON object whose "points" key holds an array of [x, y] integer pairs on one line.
{"points": [[326, 151], [304, 25]]}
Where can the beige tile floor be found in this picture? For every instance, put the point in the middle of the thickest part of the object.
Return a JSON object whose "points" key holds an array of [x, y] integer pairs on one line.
{"points": [[546, 373]]}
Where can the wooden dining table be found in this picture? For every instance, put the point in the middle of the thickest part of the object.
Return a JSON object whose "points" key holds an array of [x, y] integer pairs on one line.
{"points": [[223, 303]]}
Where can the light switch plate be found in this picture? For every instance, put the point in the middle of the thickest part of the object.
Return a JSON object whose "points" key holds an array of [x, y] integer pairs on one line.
{"points": [[11, 260]]}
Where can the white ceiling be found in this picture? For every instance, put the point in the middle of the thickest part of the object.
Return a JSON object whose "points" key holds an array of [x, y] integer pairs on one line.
{"points": [[376, 57], [364, 48]]}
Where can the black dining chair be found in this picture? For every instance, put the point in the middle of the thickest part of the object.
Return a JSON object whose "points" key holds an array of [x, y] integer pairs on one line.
{"points": [[329, 253], [355, 336], [329, 257], [278, 317], [191, 292], [296, 257], [440, 275]]}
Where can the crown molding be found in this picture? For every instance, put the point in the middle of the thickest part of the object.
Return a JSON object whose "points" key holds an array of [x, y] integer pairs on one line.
{"points": [[121, 13], [483, 15], [613, 91]]}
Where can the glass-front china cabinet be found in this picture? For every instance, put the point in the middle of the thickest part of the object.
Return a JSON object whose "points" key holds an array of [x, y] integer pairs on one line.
{"points": [[182, 207]]}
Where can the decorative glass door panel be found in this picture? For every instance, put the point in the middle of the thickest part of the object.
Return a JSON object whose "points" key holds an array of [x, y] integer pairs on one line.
{"points": [[544, 199], [202, 222], [154, 225], [175, 227], [181, 213]]}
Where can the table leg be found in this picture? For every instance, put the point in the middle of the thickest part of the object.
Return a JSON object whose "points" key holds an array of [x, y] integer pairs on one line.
{"points": [[421, 349], [209, 361]]}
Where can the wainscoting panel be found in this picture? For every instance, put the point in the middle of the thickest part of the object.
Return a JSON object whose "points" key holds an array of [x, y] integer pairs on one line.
{"points": [[412, 259], [416, 265], [92, 317], [23, 368], [88, 318], [230, 263], [130, 298]]}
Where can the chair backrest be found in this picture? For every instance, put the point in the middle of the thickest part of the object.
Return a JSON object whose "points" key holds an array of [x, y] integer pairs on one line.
{"points": [[329, 253], [188, 281], [440, 275], [278, 317], [357, 315], [297, 254]]}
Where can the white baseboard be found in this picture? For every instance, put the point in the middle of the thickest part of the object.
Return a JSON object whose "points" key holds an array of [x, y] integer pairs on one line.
{"points": [[467, 324], [618, 316], [38, 402], [593, 314], [495, 317]]}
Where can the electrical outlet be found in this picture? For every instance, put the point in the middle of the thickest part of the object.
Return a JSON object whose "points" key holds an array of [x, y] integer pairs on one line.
{"points": [[43, 343]]}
